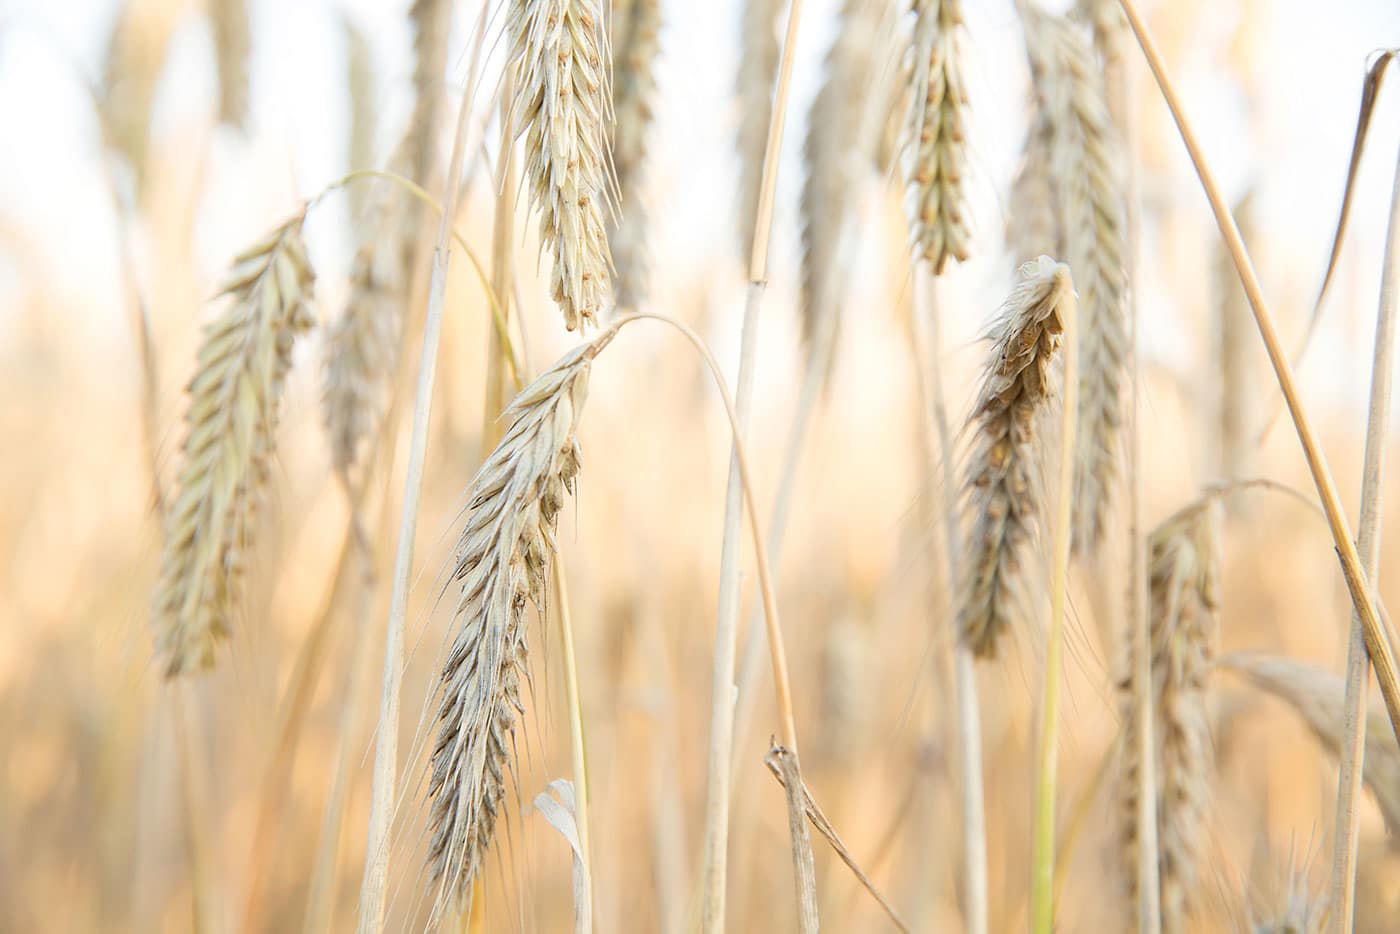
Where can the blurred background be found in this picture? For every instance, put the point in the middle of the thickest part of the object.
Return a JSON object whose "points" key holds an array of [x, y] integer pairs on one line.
{"points": [[120, 183]]}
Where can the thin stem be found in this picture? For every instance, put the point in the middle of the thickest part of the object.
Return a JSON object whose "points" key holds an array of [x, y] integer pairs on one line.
{"points": [[576, 747], [373, 889], [1382, 658], [727, 621], [1043, 847], [1347, 832]]}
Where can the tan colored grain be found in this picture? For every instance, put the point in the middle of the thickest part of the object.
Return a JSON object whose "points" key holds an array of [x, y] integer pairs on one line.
{"points": [[636, 35], [758, 71], [229, 20], [937, 187]]}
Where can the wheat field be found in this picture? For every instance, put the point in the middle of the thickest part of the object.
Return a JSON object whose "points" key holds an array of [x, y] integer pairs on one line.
{"points": [[637, 465]]}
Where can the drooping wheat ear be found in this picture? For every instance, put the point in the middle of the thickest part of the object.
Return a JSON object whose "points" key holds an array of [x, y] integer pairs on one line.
{"points": [[229, 19], [560, 54], [362, 345], [502, 561], [1184, 579], [837, 154], [229, 444], [431, 21], [636, 33], [1318, 697], [936, 188], [1085, 167], [1002, 488], [758, 70]]}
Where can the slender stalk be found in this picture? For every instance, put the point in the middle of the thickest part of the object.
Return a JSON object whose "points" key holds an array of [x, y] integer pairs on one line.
{"points": [[501, 243], [1043, 847], [576, 747], [374, 888], [726, 626], [1368, 543], [969, 726], [1382, 657]]}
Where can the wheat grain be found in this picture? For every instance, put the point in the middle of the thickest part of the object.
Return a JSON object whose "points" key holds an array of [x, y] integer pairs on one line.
{"points": [[1184, 568], [229, 444], [836, 155], [559, 54], [636, 43], [1002, 485], [229, 20], [758, 70], [431, 22], [1086, 172], [502, 562], [936, 185], [1317, 696]]}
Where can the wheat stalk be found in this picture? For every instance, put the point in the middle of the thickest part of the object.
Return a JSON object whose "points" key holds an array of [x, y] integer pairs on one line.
{"points": [[936, 185], [229, 444], [758, 68], [502, 561], [1086, 174], [559, 55], [636, 26], [1001, 483], [1184, 571], [229, 20]]}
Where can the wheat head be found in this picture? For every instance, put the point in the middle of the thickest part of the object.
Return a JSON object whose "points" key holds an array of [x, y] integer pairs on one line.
{"points": [[559, 51], [636, 33], [1002, 488], [502, 563], [229, 444], [229, 19], [936, 185], [758, 71]]}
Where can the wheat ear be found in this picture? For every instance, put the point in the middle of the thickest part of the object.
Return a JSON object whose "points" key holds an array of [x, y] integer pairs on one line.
{"points": [[559, 52], [229, 443], [834, 152], [1085, 167], [1002, 488], [1184, 571], [636, 34], [502, 562], [229, 20], [431, 22], [936, 185]]}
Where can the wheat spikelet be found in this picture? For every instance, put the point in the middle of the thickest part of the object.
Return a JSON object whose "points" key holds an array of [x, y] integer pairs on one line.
{"points": [[836, 154], [936, 187], [1184, 570], [229, 19], [1318, 697], [362, 345], [1087, 177], [1002, 484], [502, 562], [135, 57], [758, 70], [636, 35], [229, 444], [431, 22], [561, 79]]}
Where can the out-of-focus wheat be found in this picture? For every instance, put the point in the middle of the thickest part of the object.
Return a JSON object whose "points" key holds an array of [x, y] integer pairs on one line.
{"points": [[1184, 579], [1002, 487], [636, 34], [558, 50], [229, 443], [229, 19], [758, 70]]}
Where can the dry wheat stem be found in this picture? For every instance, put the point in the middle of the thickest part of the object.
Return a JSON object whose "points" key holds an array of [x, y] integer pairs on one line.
{"points": [[718, 768], [229, 445], [1001, 482], [1342, 888], [373, 888], [1382, 657], [937, 189], [559, 59], [1085, 166], [784, 764], [758, 69], [1184, 586], [1043, 841], [636, 39]]}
